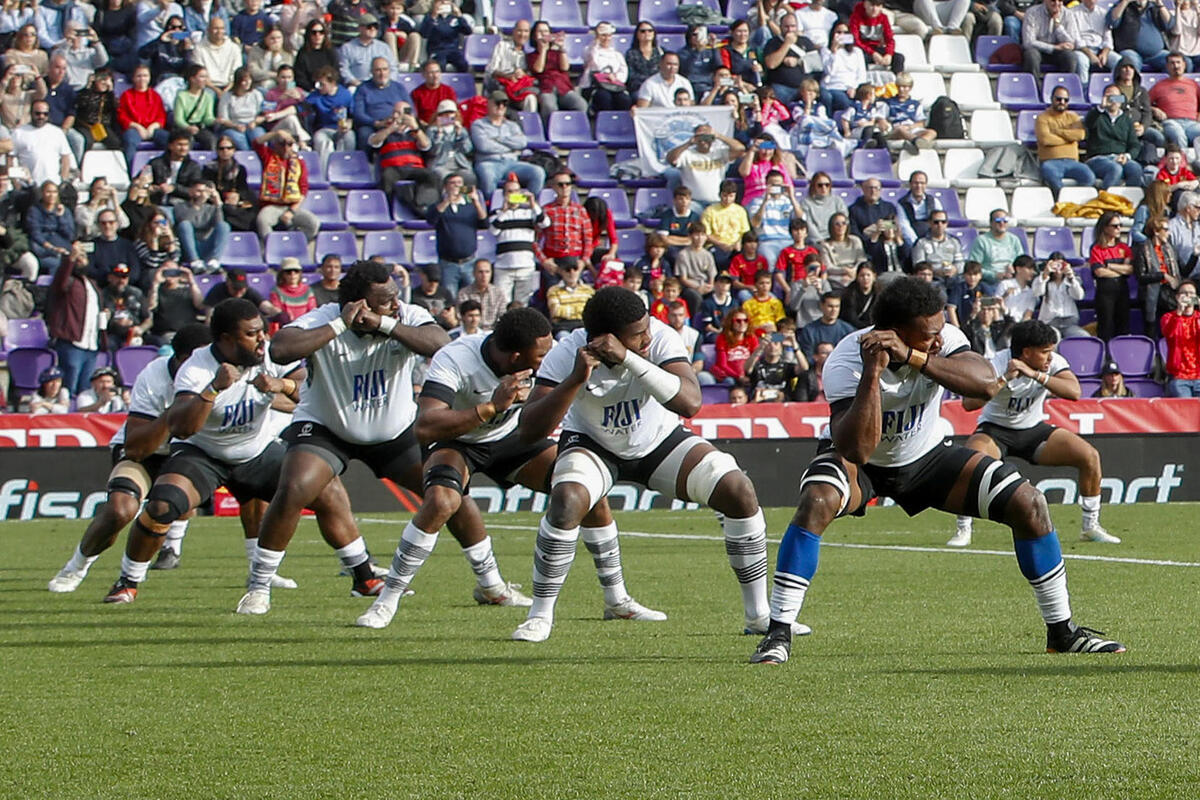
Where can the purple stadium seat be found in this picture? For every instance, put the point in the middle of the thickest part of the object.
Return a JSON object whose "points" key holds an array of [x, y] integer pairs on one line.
{"points": [[485, 245], [618, 204], [463, 83], [406, 217], [350, 169], [25, 363], [316, 179], [262, 283], [873, 164], [576, 45], [102, 359], [1048, 240], [615, 129], [535, 134], [367, 209], [1151, 78], [508, 12], [646, 199], [142, 158], [985, 46], [324, 204], [130, 361], [478, 50], [409, 81], [1088, 386], [1069, 81], [341, 244], [1085, 354], [1133, 354], [1088, 283], [590, 168], [829, 160], [1162, 350], [1145, 387], [203, 157], [892, 194], [966, 236], [614, 11], [1096, 85], [709, 351], [739, 9], [569, 130], [1024, 237], [848, 193], [629, 154], [563, 15], [1086, 239], [243, 250], [950, 205], [712, 395], [389, 244], [1018, 91], [1027, 127], [26, 333], [205, 282], [424, 248], [284, 244], [631, 244], [664, 16], [253, 164], [670, 38]]}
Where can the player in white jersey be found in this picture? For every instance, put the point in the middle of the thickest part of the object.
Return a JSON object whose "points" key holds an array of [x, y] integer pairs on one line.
{"points": [[139, 449], [1012, 422], [358, 404], [885, 387], [619, 384], [470, 408], [219, 422]]}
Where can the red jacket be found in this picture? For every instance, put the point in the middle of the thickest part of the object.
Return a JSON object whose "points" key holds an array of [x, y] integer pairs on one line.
{"points": [[144, 108], [68, 303], [872, 34], [1183, 345], [425, 100], [731, 358]]}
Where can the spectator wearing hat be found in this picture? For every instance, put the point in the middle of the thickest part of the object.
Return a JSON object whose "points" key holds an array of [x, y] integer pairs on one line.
{"points": [[356, 55], [284, 186], [498, 144], [235, 285], [73, 318], [292, 295], [456, 219], [1181, 330], [51, 396], [126, 308], [402, 171], [375, 100], [450, 146], [565, 301], [516, 224], [605, 72], [434, 298], [201, 227], [175, 301], [1112, 382], [431, 96], [104, 396]]}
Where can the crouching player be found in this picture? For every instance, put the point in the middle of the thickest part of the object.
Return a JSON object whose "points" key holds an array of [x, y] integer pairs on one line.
{"points": [[885, 386], [1011, 422]]}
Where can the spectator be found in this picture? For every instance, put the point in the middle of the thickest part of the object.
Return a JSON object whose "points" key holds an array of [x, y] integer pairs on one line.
{"points": [[695, 267], [661, 88], [104, 396], [138, 208], [1112, 144], [506, 72], [516, 225], [82, 52], [51, 229], [156, 243], [1138, 106], [402, 170], [698, 59], [1112, 382], [866, 212], [1184, 232], [1174, 171], [51, 396], [816, 23], [772, 379], [763, 308], [197, 15], [1157, 272], [677, 318], [498, 144], [701, 163], [604, 231], [375, 100], [804, 296], [715, 307], [997, 249], [141, 115], [565, 301], [1017, 291], [1093, 35], [491, 299], [450, 145], [218, 54], [264, 60], [169, 52], [55, 89], [1058, 288], [865, 122], [734, 344], [292, 295], [1181, 330], [605, 72], [250, 25], [673, 221], [195, 109], [345, 17], [430, 95], [469, 315], [101, 196], [21, 91], [944, 16], [229, 178], [455, 219], [942, 251], [1155, 203], [738, 396], [873, 33], [316, 53], [111, 250], [332, 126], [434, 298], [657, 261], [841, 252], [771, 214], [398, 31], [766, 17], [235, 285], [42, 149], [829, 328], [1059, 132], [172, 173], [357, 55], [240, 114], [15, 256], [443, 29], [126, 309], [858, 299], [73, 319], [748, 262], [1176, 101], [175, 301], [845, 69], [26, 52], [791, 266], [203, 231], [1111, 262], [821, 204], [284, 186], [907, 117], [1138, 28], [989, 330], [568, 238], [1048, 35], [643, 56], [725, 223], [762, 159], [917, 208], [790, 58], [963, 292], [330, 270], [1185, 32]]}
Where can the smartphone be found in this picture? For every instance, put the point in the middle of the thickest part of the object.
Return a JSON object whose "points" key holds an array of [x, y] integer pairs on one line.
{"points": [[88, 247], [516, 198], [525, 383], [778, 337], [172, 273], [745, 98], [988, 302], [179, 36]]}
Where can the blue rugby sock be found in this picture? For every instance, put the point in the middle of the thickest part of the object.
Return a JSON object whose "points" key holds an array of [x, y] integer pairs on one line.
{"points": [[794, 568], [1041, 563]]}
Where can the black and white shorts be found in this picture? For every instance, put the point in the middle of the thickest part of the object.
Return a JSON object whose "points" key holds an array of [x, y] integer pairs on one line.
{"points": [[500, 460], [253, 479], [391, 459], [1022, 443]]}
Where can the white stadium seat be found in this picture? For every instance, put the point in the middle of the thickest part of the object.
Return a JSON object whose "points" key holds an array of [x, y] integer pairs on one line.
{"points": [[991, 127], [926, 161], [962, 168], [1031, 206], [981, 202], [927, 87], [972, 91], [950, 54], [913, 51]]}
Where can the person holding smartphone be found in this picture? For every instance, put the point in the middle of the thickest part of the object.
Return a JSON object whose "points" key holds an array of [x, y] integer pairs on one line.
{"points": [[548, 64], [1059, 289], [443, 29]]}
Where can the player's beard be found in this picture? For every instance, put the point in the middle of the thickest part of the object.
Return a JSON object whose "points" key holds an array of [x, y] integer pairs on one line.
{"points": [[244, 357]]}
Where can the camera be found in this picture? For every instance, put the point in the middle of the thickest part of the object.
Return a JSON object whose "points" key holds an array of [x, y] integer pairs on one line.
{"points": [[88, 247]]}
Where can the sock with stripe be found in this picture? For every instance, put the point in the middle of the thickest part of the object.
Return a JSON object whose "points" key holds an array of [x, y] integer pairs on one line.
{"points": [[483, 562], [263, 566], [251, 549], [794, 568], [356, 559], [79, 562], [602, 543], [746, 547], [965, 524], [133, 572], [415, 547], [1091, 511], [552, 557], [175, 535], [1041, 563]]}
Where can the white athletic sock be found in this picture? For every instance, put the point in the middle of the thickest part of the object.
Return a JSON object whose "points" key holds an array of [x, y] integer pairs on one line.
{"points": [[353, 554], [263, 567], [746, 546], [251, 549], [134, 571], [602, 543], [1091, 511], [483, 562], [965, 524], [552, 557], [415, 546], [175, 535], [1050, 592], [79, 562]]}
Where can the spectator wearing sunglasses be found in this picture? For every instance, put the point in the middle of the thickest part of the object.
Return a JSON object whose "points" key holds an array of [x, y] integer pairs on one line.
{"points": [[357, 54], [996, 250], [1059, 132], [568, 239]]}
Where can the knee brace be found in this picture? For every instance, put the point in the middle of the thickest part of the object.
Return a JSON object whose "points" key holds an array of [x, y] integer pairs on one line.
{"points": [[174, 503], [828, 469], [993, 483], [585, 468], [129, 477], [703, 479], [444, 475]]}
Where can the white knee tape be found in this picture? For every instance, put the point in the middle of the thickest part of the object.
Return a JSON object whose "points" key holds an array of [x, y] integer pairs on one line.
{"points": [[703, 479], [585, 468]]}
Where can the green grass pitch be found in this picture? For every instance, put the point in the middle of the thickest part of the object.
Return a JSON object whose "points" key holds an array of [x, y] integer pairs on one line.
{"points": [[924, 678]]}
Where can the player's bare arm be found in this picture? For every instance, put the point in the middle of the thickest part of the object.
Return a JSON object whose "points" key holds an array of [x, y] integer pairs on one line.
{"points": [[144, 436], [187, 414], [438, 422], [293, 344], [547, 405], [424, 340], [857, 426], [685, 400]]}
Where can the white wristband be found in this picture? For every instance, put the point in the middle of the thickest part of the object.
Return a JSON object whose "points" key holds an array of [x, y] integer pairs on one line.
{"points": [[661, 385], [386, 325], [339, 326]]}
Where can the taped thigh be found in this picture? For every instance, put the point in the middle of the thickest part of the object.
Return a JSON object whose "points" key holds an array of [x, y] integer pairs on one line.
{"points": [[828, 469], [665, 477], [702, 481], [993, 483], [174, 502], [131, 478], [584, 467], [444, 475]]}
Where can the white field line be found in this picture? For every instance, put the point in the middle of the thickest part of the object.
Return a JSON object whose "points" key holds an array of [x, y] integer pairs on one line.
{"points": [[1152, 562]]}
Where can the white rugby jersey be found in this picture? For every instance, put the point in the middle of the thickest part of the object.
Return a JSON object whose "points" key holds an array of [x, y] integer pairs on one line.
{"points": [[613, 409], [1019, 403], [360, 386], [460, 376], [238, 426], [911, 402], [152, 393]]}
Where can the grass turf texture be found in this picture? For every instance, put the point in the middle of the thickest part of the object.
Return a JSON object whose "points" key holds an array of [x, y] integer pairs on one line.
{"points": [[925, 676]]}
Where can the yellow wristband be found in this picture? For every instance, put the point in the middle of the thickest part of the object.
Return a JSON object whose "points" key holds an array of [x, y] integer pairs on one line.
{"points": [[916, 359], [491, 407]]}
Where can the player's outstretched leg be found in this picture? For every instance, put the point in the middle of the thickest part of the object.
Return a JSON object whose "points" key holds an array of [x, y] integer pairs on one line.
{"points": [[171, 497], [964, 526], [599, 534], [1064, 449], [111, 518], [980, 443], [557, 538]]}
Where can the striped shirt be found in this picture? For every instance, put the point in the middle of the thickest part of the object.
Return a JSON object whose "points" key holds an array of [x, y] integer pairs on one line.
{"points": [[516, 232]]}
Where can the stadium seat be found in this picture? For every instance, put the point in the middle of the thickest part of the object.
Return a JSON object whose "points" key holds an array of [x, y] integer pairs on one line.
{"points": [[876, 164], [485, 245], [927, 87], [243, 250], [203, 157], [961, 168], [966, 236], [26, 333], [991, 127], [1088, 386], [950, 54], [662, 13], [463, 83], [670, 41], [646, 199], [1145, 387], [569, 130], [424, 248], [1133, 354], [316, 179], [1078, 194], [261, 283], [848, 194], [205, 283], [103, 359], [613, 11], [367, 209], [1027, 127], [590, 167], [950, 205], [972, 91], [1018, 91], [1151, 78], [324, 205], [576, 45], [409, 81], [1088, 282], [618, 204], [631, 244], [253, 164], [1133, 194], [535, 134], [926, 161], [107, 164], [1069, 81], [981, 201], [829, 160], [506, 13], [26, 363], [142, 159], [1031, 206], [389, 244], [631, 154], [338, 243], [1096, 84], [913, 50], [1087, 237], [285, 244], [130, 361], [563, 15], [1085, 354], [1054, 239], [408, 218], [985, 46], [713, 395], [615, 129], [478, 49], [350, 169]]}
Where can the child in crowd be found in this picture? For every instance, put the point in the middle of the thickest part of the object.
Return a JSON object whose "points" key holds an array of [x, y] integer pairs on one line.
{"points": [[763, 308], [716, 306], [744, 266], [790, 266]]}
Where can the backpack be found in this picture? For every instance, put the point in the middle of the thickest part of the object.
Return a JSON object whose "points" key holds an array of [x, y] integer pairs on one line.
{"points": [[945, 118]]}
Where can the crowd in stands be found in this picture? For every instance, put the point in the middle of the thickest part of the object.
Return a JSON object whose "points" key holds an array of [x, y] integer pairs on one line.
{"points": [[225, 114]]}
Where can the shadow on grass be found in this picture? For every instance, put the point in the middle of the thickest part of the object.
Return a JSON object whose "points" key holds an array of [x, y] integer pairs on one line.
{"points": [[1065, 669], [482, 661]]}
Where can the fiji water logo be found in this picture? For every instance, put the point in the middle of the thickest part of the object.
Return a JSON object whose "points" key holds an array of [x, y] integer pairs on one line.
{"points": [[237, 416], [901, 424], [370, 390], [622, 416]]}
